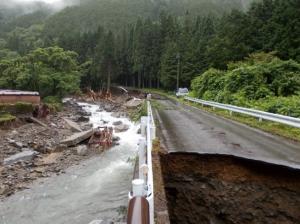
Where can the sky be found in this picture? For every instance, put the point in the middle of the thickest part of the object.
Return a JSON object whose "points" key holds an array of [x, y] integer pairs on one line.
{"points": [[47, 1]]}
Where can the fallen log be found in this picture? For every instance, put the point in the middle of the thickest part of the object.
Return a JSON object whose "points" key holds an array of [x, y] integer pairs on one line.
{"points": [[77, 138], [38, 121]]}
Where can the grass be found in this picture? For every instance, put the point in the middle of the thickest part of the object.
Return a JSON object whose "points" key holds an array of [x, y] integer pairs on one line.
{"points": [[136, 114], [267, 126], [6, 117], [17, 108]]}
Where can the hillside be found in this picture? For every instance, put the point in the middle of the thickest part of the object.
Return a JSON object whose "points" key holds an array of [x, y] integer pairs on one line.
{"points": [[115, 14]]}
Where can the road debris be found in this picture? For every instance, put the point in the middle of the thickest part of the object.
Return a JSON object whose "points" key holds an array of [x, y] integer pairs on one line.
{"points": [[72, 125], [77, 138], [26, 155]]}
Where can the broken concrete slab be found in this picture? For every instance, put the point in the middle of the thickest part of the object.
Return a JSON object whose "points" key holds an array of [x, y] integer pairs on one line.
{"points": [[72, 125], [22, 156], [77, 138]]}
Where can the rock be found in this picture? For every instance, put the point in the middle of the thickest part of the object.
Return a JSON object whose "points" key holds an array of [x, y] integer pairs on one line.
{"points": [[121, 128], [117, 123], [14, 132], [83, 119], [77, 138], [104, 121], [84, 113], [116, 114], [72, 125], [82, 150], [86, 126], [22, 156], [60, 148], [135, 102], [18, 145], [116, 138], [108, 107]]}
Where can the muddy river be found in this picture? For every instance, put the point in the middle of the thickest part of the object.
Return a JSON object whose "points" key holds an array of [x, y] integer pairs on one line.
{"points": [[94, 191]]}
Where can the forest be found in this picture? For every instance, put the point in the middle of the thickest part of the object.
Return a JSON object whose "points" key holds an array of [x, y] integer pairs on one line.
{"points": [[240, 52]]}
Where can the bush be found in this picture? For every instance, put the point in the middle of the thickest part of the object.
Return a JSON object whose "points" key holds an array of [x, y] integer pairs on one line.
{"points": [[53, 102], [262, 81]]}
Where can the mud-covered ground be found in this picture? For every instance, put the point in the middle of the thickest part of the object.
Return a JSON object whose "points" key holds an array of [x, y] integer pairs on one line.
{"points": [[227, 190]]}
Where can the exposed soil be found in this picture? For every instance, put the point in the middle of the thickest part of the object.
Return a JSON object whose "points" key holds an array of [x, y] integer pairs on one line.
{"points": [[222, 189]]}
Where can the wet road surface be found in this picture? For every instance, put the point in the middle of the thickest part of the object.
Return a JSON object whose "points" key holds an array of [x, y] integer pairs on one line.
{"points": [[188, 129]]}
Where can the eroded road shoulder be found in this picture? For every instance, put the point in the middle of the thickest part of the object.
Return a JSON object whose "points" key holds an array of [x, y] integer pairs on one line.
{"points": [[229, 190]]}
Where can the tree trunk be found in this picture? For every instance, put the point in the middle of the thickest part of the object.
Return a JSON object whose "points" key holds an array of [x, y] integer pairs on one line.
{"points": [[139, 79], [109, 77]]}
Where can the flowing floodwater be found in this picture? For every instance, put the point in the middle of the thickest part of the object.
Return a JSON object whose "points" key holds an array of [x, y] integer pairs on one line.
{"points": [[92, 191]]}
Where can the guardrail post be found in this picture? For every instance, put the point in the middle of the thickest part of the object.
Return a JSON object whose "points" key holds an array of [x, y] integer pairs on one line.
{"points": [[153, 132], [142, 157], [143, 125], [138, 187], [230, 112], [260, 119]]}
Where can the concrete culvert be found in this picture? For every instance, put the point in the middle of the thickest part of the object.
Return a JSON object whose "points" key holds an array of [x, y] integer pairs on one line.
{"points": [[228, 190]]}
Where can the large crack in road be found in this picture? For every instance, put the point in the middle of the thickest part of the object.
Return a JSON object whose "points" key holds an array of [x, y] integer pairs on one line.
{"points": [[221, 172]]}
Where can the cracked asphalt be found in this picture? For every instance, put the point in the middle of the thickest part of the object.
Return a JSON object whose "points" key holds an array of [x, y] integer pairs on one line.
{"points": [[188, 129]]}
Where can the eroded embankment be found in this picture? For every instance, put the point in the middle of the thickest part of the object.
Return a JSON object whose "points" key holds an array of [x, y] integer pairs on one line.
{"points": [[222, 189]]}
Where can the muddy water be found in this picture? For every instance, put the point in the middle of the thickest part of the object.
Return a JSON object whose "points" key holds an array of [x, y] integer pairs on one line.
{"points": [[216, 189], [92, 191]]}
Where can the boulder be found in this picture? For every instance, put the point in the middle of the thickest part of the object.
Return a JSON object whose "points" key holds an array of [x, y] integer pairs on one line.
{"points": [[116, 138], [22, 156], [117, 123], [135, 102], [118, 114], [121, 128], [108, 107], [82, 150], [83, 119]]}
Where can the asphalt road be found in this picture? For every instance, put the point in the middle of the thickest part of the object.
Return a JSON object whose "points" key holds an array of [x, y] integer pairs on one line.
{"points": [[188, 129]]}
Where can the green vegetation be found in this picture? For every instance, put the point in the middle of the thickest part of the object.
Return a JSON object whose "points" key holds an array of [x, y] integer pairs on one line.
{"points": [[6, 118], [51, 71], [262, 81], [17, 108], [53, 102], [217, 47], [268, 126], [136, 113]]}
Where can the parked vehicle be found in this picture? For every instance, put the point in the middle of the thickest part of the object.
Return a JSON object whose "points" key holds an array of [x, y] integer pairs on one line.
{"points": [[182, 92]]}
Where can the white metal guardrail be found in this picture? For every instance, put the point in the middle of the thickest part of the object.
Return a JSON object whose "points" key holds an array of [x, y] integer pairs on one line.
{"points": [[261, 115], [143, 186]]}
